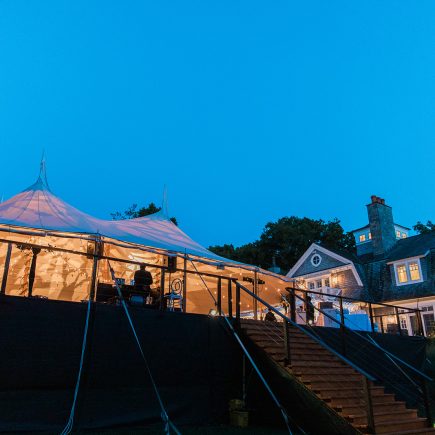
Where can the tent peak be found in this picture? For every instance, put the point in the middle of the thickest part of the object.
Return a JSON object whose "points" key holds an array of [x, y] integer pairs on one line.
{"points": [[43, 170], [165, 202], [41, 182]]}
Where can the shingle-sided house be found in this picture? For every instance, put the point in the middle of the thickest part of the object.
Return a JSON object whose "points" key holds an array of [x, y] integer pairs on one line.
{"points": [[389, 266]]}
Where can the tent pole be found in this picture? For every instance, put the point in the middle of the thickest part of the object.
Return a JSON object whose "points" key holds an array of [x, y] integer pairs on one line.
{"points": [[230, 299], [219, 296], [185, 283], [162, 288], [6, 269], [256, 293], [32, 271], [93, 289]]}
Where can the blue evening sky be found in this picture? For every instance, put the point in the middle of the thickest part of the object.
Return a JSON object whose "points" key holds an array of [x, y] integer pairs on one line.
{"points": [[247, 110]]}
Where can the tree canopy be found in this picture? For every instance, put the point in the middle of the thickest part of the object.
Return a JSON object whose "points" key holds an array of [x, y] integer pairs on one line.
{"points": [[287, 239], [422, 228], [134, 212]]}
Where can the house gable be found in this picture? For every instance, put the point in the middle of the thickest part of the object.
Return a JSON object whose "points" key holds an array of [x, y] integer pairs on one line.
{"points": [[328, 260]]}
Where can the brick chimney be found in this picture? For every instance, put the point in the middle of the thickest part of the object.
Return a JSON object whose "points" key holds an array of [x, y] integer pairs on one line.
{"points": [[381, 225]]}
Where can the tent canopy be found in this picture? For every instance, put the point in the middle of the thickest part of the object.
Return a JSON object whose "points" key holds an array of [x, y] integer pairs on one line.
{"points": [[38, 208], [36, 217]]}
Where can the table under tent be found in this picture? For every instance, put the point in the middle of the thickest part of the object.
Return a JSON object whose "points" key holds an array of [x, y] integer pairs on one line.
{"points": [[50, 249]]}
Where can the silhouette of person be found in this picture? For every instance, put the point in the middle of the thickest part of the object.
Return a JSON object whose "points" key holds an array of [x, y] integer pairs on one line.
{"points": [[270, 316]]}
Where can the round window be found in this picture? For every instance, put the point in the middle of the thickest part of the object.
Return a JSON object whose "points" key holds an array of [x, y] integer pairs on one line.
{"points": [[316, 259]]}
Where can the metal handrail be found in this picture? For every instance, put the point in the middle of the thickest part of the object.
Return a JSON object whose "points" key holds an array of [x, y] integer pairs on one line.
{"points": [[421, 392], [352, 299], [377, 345], [318, 340]]}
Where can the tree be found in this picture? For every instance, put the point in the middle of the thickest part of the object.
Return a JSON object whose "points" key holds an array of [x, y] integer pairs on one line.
{"points": [[133, 212], [287, 239], [422, 228], [227, 251]]}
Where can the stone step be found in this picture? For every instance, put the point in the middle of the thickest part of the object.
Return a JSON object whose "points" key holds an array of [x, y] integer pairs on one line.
{"points": [[324, 370], [359, 408], [356, 379], [424, 431], [309, 347], [280, 339], [380, 417], [298, 363], [353, 397], [301, 357], [275, 331], [395, 426], [333, 385]]}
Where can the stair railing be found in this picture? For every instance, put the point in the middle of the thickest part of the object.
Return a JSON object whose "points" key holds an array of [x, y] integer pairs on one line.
{"points": [[346, 334], [421, 387], [240, 286], [393, 310], [366, 377]]}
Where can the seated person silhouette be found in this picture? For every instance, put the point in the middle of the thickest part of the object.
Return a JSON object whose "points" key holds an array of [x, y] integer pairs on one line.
{"points": [[270, 316], [142, 281]]}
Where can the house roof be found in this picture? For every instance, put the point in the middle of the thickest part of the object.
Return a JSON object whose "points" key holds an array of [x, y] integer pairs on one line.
{"points": [[368, 226], [346, 254], [411, 247]]}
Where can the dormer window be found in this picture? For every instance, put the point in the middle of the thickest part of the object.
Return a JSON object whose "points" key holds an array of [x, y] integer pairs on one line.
{"points": [[401, 232], [408, 272]]}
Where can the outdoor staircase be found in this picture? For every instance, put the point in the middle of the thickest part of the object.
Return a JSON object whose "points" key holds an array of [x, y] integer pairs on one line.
{"points": [[334, 382]]}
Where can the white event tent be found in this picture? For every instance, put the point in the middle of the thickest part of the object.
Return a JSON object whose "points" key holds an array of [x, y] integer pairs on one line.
{"points": [[69, 252]]}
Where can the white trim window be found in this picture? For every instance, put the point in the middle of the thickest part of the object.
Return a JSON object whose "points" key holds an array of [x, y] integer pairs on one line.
{"points": [[408, 271], [319, 284], [316, 259]]}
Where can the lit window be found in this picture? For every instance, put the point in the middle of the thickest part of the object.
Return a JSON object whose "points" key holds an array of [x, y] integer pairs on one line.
{"points": [[404, 235], [398, 234], [362, 238], [370, 236], [414, 271], [408, 272], [401, 273]]}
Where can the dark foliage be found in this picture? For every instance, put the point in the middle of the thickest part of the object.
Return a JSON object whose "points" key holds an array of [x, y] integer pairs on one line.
{"points": [[287, 239], [133, 212], [422, 228]]}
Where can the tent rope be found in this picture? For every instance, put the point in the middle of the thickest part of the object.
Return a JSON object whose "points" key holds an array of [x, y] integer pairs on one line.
{"points": [[69, 426], [167, 423], [284, 414]]}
